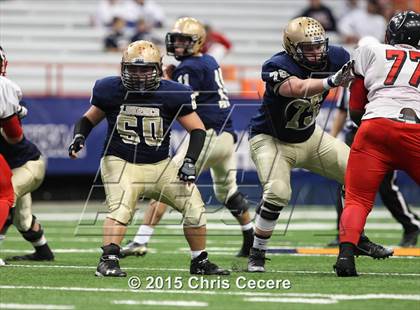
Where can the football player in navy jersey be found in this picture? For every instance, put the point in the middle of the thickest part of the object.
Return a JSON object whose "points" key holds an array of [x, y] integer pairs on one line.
{"points": [[284, 134], [140, 108], [204, 75], [28, 168]]}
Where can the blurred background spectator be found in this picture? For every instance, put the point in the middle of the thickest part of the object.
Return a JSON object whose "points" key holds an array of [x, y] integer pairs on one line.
{"points": [[106, 11], [359, 23], [217, 44], [143, 32], [116, 39], [147, 10], [321, 13], [350, 7]]}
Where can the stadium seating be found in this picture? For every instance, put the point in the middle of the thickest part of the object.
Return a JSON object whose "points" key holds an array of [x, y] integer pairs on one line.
{"points": [[46, 40]]}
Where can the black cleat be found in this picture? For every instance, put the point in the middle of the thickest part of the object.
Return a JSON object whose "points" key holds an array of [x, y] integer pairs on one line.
{"points": [[31, 257], [345, 267], [202, 265], [368, 248], [109, 266], [409, 239], [133, 248], [246, 244], [256, 260]]}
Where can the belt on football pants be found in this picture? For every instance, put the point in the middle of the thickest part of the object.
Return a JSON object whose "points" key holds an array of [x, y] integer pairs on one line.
{"points": [[407, 115]]}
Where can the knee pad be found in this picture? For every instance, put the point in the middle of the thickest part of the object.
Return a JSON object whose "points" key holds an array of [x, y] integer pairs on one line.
{"points": [[194, 216], [237, 204], [267, 216], [31, 235]]}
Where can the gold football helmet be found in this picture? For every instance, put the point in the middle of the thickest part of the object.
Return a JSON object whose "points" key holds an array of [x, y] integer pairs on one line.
{"points": [[304, 40], [141, 66], [186, 38]]}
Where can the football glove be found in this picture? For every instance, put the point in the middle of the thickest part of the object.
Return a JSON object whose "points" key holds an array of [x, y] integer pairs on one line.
{"points": [[342, 77], [187, 171], [77, 144]]}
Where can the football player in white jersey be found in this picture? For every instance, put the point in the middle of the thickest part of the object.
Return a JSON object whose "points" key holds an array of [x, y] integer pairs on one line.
{"points": [[28, 168], [12, 131], [385, 98]]}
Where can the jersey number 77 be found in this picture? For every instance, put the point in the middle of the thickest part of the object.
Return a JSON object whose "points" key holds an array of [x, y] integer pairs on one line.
{"points": [[400, 57]]}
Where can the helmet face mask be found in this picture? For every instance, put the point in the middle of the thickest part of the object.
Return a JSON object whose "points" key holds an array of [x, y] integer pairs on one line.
{"points": [[404, 28], [3, 62], [180, 45], [304, 40], [186, 38], [141, 67], [312, 55], [140, 76]]}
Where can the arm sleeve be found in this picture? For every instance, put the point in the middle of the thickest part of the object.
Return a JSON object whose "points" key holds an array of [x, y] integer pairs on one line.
{"points": [[358, 95], [11, 127]]}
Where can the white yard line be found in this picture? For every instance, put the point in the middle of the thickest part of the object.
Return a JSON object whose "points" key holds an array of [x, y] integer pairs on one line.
{"points": [[221, 292], [156, 239], [212, 251], [338, 297], [299, 212], [35, 306], [186, 270], [173, 303], [319, 301], [71, 251]]}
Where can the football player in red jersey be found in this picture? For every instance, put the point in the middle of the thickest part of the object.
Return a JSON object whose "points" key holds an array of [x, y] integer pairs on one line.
{"points": [[385, 98]]}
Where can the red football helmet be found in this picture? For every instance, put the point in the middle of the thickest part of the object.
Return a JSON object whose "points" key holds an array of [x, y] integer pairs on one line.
{"points": [[3, 62]]}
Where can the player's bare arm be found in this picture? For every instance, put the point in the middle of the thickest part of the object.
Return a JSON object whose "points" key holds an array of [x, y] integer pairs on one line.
{"points": [[83, 127], [297, 88], [191, 121]]}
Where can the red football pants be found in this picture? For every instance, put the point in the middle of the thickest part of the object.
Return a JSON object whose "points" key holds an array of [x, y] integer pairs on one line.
{"points": [[380, 145], [6, 191]]}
